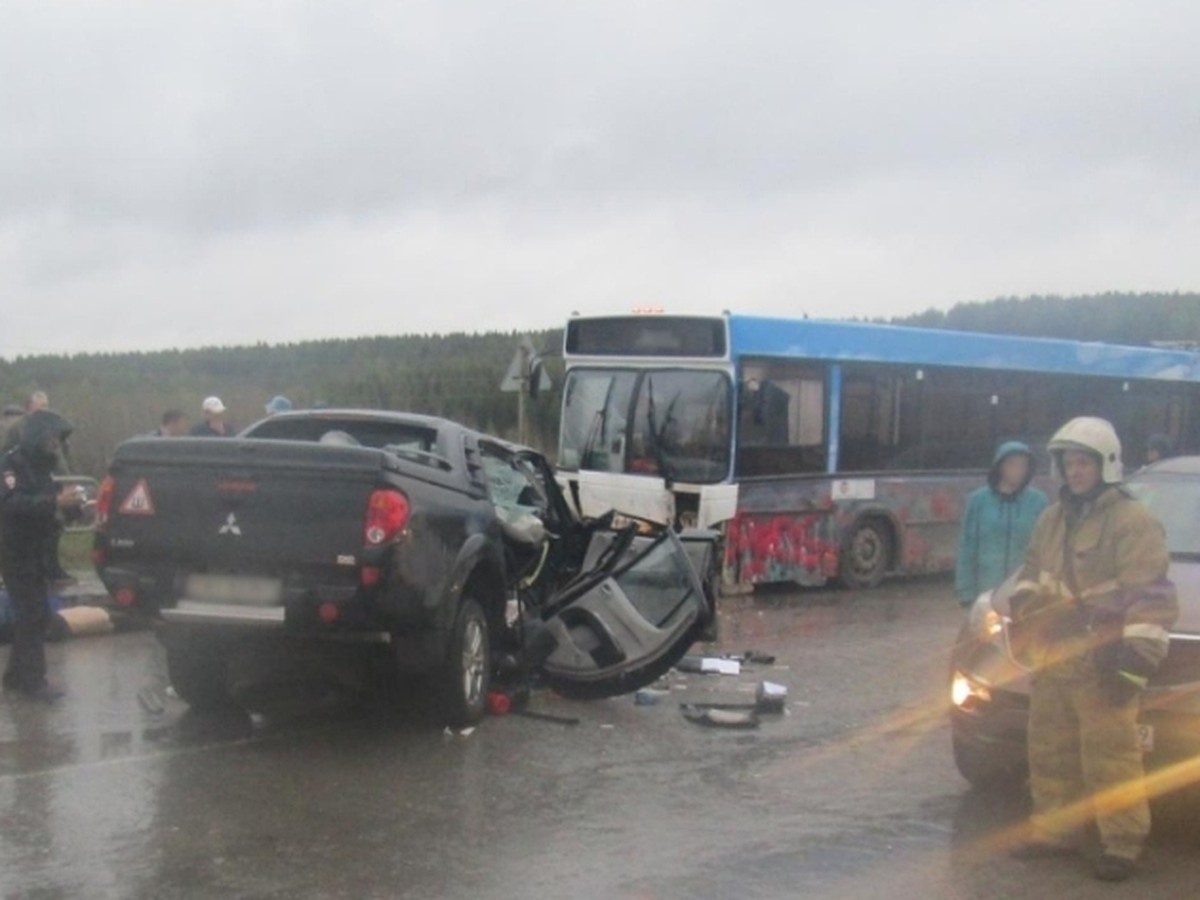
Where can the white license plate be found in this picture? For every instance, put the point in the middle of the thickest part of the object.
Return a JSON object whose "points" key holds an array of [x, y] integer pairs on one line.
{"points": [[246, 590], [1146, 738]]}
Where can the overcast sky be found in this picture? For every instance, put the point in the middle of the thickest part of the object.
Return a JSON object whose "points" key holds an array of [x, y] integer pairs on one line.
{"points": [[178, 174]]}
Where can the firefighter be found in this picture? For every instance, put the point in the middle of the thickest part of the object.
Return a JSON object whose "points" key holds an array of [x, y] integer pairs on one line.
{"points": [[29, 502], [1090, 617]]}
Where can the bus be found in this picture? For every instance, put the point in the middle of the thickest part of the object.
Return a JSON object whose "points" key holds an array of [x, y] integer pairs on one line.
{"points": [[831, 450]]}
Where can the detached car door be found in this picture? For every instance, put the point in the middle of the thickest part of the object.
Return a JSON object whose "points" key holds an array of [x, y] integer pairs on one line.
{"points": [[635, 607], [633, 612]]}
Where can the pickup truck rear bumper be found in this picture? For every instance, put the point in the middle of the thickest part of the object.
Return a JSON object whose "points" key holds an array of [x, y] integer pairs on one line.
{"points": [[193, 612], [239, 618]]}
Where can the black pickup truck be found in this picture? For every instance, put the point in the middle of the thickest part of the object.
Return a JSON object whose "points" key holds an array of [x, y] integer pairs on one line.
{"points": [[442, 551]]}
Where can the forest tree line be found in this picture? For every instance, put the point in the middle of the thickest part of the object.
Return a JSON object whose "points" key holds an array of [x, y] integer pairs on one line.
{"points": [[112, 396]]}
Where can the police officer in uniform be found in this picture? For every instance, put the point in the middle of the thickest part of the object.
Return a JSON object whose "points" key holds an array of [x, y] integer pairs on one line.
{"points": [[1090, 617], [29, 502]]}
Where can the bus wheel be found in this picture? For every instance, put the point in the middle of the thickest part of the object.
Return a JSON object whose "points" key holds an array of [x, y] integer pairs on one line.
{"points": [[866, 555]]}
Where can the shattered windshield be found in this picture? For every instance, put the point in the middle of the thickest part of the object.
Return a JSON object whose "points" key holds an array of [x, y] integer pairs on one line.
{"points": [[672, 423]]}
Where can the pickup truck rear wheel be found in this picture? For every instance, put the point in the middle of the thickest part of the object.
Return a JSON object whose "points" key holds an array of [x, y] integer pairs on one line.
{"points": [[466, 675], [197, 669]]}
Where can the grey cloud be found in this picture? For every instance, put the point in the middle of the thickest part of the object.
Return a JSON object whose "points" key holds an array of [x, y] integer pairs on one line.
{"points": [[572, 154]]}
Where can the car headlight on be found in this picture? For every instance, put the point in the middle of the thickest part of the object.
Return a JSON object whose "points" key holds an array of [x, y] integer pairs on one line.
{"points": [[967, 694]]}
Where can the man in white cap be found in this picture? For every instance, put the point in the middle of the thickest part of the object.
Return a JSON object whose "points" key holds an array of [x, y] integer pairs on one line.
{"points": [[214, 424]]}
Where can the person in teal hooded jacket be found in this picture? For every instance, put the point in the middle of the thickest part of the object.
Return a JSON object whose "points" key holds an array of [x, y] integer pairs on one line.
{"points": [[998, 523]]}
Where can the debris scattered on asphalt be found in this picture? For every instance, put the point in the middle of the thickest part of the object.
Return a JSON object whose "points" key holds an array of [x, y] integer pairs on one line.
{"points": [[459, 732], [708, 665], [751, 658], [708, 714], [499, 703], [648, 696], [771, 697]]}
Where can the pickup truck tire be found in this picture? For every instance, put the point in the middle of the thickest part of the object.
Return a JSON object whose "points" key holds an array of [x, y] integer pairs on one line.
{"points": [[198, 672], [461, 687]]}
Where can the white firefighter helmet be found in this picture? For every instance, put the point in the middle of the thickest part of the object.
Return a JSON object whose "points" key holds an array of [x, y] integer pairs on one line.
{"points": [[1092, 435]]}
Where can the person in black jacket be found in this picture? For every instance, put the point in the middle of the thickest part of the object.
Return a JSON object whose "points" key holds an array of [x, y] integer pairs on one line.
{"points": [[29, 503]]}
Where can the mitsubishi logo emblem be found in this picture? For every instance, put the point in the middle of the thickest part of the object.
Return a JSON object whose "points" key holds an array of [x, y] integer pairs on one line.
{"points": [[231, 526]]}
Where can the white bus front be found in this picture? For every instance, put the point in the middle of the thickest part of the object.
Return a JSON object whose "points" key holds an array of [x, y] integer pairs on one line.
{"points": [[646, 429]]}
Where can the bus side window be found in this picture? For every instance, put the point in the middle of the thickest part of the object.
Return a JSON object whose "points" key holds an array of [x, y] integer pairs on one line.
{"points": [[781, 428], [873, 406]]}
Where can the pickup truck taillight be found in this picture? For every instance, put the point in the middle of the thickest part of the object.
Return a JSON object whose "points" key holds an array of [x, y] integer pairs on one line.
{"points": [[104, 501], [387, 514]]}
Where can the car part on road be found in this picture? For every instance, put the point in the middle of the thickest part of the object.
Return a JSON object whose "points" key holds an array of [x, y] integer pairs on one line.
{"points": [[631, 615], [771, 697], [499, 703], [709, 665], [708, 714]]}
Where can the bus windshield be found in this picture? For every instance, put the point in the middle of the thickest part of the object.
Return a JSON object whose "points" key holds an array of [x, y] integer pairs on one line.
{"points": [[673, 423]]}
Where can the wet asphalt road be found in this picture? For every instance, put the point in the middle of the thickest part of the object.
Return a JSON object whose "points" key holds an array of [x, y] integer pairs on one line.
{"points": [[117, 792]]}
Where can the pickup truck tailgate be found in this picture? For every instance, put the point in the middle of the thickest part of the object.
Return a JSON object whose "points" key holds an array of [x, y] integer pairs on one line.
{"points": [[274, 508]]}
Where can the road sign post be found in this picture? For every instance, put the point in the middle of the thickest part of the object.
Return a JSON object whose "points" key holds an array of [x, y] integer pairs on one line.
{"points": [[525, 377]]}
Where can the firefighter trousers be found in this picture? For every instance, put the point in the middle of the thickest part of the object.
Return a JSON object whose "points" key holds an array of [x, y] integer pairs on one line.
{"points": [[1085, 761]]}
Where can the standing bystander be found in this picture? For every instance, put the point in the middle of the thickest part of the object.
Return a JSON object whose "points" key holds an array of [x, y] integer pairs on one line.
{"points": [[214, 424], [29, 503]]}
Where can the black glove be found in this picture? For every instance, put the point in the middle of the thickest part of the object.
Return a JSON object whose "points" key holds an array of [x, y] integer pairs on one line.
{"points": [[1121, 688], [1124, 674]]}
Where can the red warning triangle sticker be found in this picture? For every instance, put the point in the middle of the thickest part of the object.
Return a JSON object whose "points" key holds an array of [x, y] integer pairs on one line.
{"points": [[138, 503]]}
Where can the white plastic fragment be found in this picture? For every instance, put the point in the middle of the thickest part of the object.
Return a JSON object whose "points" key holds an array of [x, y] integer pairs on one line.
{"points": [[721, 666]]}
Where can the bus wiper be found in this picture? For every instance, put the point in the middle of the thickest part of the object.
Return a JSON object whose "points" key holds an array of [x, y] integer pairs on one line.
{"points": [[665, 468], [597, 429], [589, 443]]}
